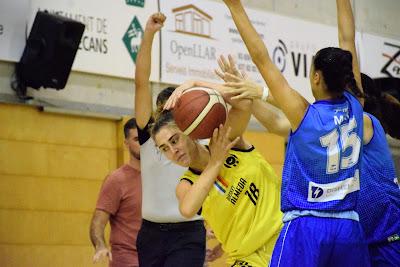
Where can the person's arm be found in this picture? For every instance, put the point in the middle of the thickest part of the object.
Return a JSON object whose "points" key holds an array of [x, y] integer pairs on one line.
{"points": [[97, 225], [238, 119], [368, 129], [266, 113], [347, 37], [192, 196], [271, 118], [143, 93], [243, 86], [289, 101]]}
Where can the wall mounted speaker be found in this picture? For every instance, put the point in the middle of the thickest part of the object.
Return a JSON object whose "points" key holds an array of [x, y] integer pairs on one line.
{"points": [[49, 52]]}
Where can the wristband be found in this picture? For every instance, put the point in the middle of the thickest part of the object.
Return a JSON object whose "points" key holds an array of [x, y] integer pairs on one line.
{"points": [[265, 93]]}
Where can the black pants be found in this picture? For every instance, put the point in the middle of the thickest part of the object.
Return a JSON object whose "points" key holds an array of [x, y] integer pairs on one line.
{"points": [[171, 244]]}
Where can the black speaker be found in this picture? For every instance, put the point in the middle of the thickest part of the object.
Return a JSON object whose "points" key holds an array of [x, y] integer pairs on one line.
{"points": [[49, 52]]}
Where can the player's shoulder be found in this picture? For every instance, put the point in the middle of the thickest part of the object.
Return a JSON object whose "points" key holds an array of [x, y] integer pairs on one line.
{"points": [[190, 175], [242, 149], [119, 173]]}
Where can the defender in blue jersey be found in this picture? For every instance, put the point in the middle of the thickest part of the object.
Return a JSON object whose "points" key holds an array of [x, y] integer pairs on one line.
{"points": [[378, 204], [379, 200], [321, 175]]}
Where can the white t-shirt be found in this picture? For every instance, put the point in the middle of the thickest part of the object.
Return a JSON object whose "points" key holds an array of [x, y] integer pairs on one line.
{"points": [[159, 180]]}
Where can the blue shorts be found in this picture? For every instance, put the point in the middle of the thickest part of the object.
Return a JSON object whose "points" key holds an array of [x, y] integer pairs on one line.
{"points": [[387, 254], [316, 241]]}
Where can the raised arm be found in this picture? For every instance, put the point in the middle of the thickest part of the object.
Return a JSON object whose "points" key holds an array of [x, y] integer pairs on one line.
{"points": [[242, 86], [347, 39], [143, 93], [192, 196], [289, 101]]}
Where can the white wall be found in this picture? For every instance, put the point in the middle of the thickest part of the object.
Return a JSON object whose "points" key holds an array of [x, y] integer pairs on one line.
{"points": [[379, 17], [110, 94]]}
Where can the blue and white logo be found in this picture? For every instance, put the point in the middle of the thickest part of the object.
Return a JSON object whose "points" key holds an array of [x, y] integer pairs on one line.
{"points": [[316, 191], [333, 191]]}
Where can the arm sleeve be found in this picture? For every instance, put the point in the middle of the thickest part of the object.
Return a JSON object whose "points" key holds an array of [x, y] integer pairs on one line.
{"points": [[144, 134], [190, 177]]}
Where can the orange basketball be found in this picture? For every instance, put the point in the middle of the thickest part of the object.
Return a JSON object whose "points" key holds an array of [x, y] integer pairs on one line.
{"points": [[199, 111]]}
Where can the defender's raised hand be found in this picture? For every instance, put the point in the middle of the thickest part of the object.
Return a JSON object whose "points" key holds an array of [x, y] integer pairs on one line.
{"points": [[228, 67]]}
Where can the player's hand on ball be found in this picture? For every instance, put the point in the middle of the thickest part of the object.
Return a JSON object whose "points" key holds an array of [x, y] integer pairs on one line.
{"points": [[155, 22], [220, 144], [178, 92]]}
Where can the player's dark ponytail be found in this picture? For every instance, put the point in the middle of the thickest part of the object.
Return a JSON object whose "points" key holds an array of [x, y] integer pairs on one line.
{"points": [[337, 69]]}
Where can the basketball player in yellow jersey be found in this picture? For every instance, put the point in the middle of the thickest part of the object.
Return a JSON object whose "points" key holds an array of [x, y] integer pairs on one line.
{"points": [[229, 183], [242, 208]]}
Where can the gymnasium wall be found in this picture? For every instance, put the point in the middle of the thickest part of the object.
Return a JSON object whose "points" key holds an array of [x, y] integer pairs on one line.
{"points": [[51, 169]]}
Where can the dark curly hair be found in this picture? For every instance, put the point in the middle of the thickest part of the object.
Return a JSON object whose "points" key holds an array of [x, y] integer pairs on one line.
{"points": [[337, 69]]}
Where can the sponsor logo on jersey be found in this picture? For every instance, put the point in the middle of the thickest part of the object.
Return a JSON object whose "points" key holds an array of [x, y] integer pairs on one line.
{"points": [[316, 191], [333, 191], [231, 161], [240, 263], [236, 191], [221, 185]]}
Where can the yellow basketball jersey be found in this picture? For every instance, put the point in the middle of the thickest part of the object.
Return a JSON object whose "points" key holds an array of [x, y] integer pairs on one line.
{"points": [[243, 207]]}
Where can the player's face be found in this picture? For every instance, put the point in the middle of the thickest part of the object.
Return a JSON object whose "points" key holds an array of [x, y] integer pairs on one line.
{"points": [[174, 145], [132, 143]]}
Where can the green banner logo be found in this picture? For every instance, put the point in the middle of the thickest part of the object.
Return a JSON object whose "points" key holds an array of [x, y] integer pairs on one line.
{"points": [[133, 37], [139, 3]]}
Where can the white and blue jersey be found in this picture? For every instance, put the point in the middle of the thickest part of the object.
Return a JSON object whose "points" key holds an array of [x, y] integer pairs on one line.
{"points": [[379, 199], [322, 164]]}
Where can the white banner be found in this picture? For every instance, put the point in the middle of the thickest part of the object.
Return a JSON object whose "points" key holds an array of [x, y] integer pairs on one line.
{"points": [[197, 32], [13, 19], [112, 35], [380, 57], [111, 39]]}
